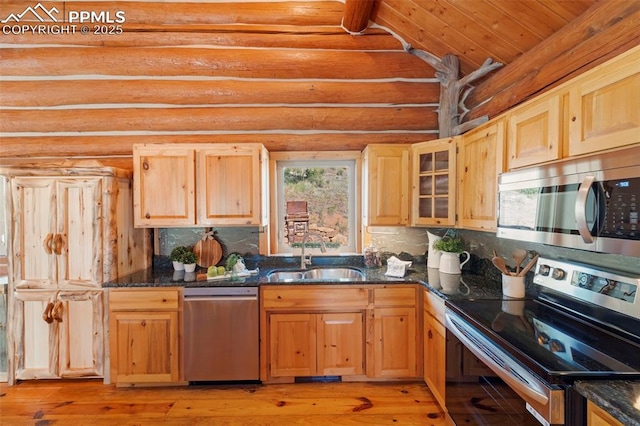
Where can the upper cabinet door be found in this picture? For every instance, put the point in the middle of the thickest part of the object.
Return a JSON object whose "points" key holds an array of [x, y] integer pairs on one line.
{"points": [[78, 239], [604, 106], [386, 185], [34, 224], [433, 196], [229, 185], [534, 132], [480, 162], [164, 185]]}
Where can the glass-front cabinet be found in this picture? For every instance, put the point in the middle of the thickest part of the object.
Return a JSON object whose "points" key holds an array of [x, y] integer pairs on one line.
{"points": [[433, 186]]}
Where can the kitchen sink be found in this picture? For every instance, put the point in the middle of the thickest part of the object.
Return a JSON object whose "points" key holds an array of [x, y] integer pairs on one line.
{"points": [[286, 276], [318, 274]]}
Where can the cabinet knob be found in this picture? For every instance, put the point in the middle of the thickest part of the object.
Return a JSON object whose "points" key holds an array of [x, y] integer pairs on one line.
{"points": [[147, 216], [145, 165], [430, 334]]}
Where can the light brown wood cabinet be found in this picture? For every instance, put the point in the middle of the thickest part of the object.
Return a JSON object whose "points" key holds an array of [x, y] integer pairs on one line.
{"points": [[433, 189], [145, 336], [385, 182], [435, 346], [604, 106], [534, 132], [179, 185], [67, 345], [325, 344], [72, 230], [480, 161], [312, 331], [596, 416], [395, 333]]}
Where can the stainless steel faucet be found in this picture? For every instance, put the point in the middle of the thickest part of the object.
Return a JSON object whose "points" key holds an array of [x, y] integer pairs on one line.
{"points": [[304, 261]]}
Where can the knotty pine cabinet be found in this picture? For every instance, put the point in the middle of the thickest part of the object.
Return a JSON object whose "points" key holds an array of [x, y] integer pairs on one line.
{"points": [[534, 132], [312, 331], [58, 334], [604, 106], [177, 185], [435, 346], [71, 229], [433, 189], [385, 196], [145, 326], [596, 416], [480, 161], [395, 333]]}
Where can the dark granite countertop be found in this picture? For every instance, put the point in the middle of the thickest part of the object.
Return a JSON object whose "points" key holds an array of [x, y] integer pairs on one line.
{"points": [[620, 398], [616, 397]]}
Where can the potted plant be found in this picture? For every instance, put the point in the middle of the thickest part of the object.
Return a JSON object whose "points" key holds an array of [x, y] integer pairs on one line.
{"points": [[189, 259], [176, 257], [451, 249]]}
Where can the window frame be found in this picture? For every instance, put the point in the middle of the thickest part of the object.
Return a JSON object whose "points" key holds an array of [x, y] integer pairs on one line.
{"points": [[276, 221]]}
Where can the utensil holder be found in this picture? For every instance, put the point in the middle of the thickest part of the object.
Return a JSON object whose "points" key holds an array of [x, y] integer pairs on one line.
{"points": [[512, 286]]}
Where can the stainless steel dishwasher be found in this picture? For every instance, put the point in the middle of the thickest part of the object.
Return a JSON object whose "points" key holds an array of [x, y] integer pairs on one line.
{"points": [[221, 341]]}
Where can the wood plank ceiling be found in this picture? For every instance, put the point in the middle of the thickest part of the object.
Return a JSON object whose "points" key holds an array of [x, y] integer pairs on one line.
{"points": [[283, 73]]}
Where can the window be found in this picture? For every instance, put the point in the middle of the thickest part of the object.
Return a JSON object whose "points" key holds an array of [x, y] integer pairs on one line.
{"points": [[317, 193]]}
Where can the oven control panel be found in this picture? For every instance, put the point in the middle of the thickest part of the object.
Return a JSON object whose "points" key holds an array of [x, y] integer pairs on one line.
{"points": [[606, 288]]}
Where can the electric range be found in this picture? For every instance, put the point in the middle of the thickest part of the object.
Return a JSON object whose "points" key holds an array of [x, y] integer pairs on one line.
{"points": [[584, 323]]}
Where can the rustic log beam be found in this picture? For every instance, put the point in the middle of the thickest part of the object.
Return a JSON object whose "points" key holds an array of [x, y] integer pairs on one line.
{"points": [[214, 92], [604, 31], [356, 15], [122, 145], [195, 61], [219, 119], [452, 107]]}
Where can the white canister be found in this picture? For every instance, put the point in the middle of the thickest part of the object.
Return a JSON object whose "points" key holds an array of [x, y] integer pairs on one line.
{"points": [[512, 286]]}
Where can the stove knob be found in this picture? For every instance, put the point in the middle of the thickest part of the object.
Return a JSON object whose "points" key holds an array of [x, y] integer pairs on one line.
{"points": [[558, 274], [544, 270]]}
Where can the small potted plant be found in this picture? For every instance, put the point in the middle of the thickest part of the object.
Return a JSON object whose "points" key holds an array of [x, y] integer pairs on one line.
{"points": [[189, 259], [176, 257], [451, 249]]}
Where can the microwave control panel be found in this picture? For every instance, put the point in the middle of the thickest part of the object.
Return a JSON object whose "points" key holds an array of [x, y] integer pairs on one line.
{"points": [[622, 198]]}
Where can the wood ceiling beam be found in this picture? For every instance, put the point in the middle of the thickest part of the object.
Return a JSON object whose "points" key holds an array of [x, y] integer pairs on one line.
{"points": [[607, 29], [356, 15]]}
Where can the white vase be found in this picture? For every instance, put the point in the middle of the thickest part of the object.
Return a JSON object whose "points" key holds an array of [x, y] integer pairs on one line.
{"points": [[189, 267], [433, 255], [178, 266], [450, 262]]}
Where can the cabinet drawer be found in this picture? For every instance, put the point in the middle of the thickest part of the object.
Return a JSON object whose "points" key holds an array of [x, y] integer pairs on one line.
{"points": [[329, 297], [144, 299], [434, 305], [405, 296]]}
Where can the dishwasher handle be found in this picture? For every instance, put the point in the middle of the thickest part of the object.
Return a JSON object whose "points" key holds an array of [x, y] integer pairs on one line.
{"points": [[219, 298]]}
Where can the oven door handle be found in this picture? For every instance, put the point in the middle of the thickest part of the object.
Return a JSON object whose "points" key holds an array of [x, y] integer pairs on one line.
{"points": [[520, 380]]}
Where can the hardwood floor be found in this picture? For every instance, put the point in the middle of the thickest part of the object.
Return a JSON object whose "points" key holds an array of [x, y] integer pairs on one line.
{"points": [[89, 402]]}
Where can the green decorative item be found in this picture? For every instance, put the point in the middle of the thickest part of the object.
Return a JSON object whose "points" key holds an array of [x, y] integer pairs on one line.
{"points": [[177, 253], [188, 257], [449, 245], [231, 261]]}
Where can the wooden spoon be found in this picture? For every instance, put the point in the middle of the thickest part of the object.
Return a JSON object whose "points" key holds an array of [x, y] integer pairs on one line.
{"points": [[532, 262], [519, 255], [499, 263]]}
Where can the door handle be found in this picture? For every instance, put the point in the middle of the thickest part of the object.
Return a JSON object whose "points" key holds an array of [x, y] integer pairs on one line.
{"points": [[58, 309], [581, 209], [58, 244], [47, 243], [46, 315]]}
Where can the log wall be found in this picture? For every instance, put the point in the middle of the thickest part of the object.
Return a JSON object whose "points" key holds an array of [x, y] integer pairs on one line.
{"points": [[284, 74]]}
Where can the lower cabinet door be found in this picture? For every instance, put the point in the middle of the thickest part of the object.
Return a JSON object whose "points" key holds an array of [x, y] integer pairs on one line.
{"points": [[435, 357], [292, 345], [81, 334], [144, 347], [35, 340], [394, 342], [340, 344]]}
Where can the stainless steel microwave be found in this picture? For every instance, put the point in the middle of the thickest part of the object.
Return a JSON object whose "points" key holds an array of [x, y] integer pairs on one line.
{"points": [[589, 203]]}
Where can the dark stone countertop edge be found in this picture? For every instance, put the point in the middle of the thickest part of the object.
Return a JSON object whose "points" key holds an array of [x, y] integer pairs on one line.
{"points": [[617, 397]]}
